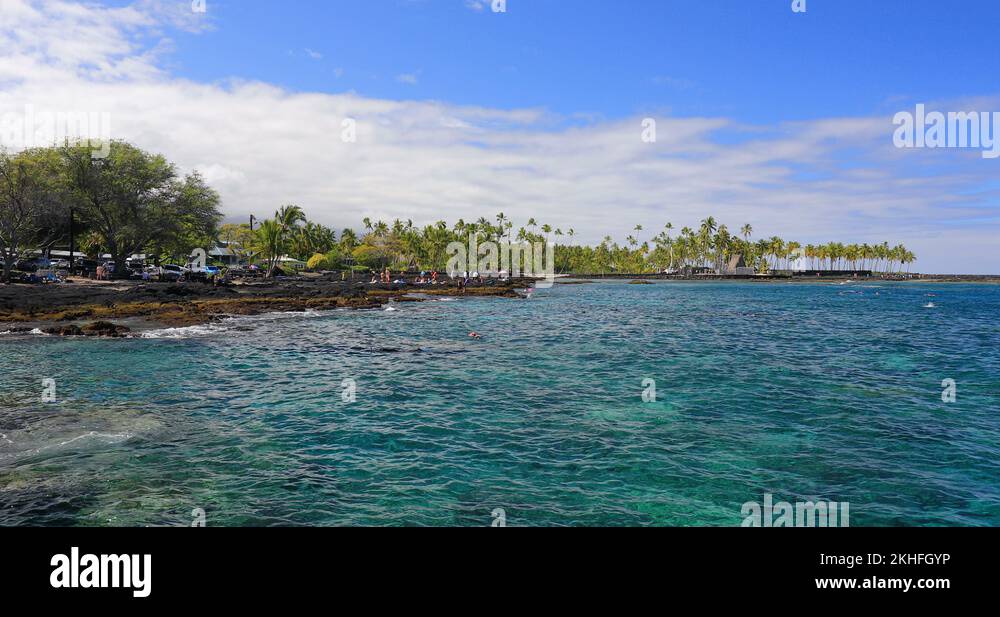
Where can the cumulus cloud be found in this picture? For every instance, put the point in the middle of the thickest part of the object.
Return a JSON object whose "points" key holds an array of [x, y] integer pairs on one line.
{"points": [[262, 146]]}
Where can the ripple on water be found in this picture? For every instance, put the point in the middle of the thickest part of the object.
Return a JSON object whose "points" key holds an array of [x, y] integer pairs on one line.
{"points": [[796, 390]]}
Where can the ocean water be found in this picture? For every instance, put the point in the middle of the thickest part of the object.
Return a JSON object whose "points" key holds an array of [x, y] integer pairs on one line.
{"points": [[804, 391]]}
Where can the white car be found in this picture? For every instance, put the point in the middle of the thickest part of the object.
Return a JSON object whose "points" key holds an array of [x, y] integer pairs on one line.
{"points": [[172, 272]]}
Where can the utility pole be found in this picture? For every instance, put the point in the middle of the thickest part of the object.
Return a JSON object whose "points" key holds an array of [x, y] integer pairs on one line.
{"points": [[72, 245], [247, 249]]}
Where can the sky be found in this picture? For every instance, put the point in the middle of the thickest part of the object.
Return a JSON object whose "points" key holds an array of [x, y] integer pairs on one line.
{"points": [[763, 115]]}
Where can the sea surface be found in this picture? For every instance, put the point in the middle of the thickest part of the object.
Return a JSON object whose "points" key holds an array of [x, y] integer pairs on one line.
{"points": [[804, 391]]}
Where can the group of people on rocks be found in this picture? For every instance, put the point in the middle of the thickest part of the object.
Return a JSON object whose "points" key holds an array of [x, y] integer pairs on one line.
{"points": [[425, 278]]}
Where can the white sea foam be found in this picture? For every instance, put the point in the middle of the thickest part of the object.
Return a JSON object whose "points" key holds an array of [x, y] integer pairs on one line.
{"points": [[230, 323], [35, 332], [186, 332]]}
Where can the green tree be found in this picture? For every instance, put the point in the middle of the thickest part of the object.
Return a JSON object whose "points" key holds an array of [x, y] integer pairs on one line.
{"points": [[195, 221], [134, 200], [270, 244], [318, 261], [32, 204]]}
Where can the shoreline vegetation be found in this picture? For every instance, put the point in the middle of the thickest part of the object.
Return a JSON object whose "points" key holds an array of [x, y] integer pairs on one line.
{"points": [[126, 215], [134, 203]]}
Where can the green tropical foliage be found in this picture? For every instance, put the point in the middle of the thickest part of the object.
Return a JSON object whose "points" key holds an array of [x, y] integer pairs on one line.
{"points": [[401, 245], [133, 201]]}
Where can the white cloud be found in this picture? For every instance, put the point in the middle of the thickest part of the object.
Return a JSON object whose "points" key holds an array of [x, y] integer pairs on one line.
{"points": [[262, 146]]}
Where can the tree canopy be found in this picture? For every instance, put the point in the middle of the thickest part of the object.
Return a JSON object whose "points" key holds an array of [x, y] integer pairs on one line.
{"points": [[32, 204], [134, 201]]}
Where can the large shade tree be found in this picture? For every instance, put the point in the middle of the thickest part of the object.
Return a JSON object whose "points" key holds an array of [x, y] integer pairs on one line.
{"points": [[32, 205], [135, 201]]}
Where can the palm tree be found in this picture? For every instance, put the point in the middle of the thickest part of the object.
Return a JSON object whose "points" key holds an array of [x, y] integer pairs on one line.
{"points": [[288, 216], [271, 244], [348, 240], [705, 232], [276, 236], [811, 256], [289, 233], [792, 249], [559, 234], [484, 226]]}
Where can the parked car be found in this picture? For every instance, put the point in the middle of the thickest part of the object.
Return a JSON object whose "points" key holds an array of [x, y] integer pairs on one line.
{"points": [[206, 270], [171, 272], [86, 267]]}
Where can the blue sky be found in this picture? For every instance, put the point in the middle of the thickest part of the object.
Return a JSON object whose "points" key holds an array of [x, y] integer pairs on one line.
{"points": [[764, 116], [753, 60]]}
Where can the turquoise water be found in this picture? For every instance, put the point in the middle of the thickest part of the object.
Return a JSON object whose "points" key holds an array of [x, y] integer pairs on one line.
{"points": [[805, 391]]}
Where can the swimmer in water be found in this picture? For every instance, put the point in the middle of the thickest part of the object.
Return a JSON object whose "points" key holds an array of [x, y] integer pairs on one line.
{"points": [[475, 335]]}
